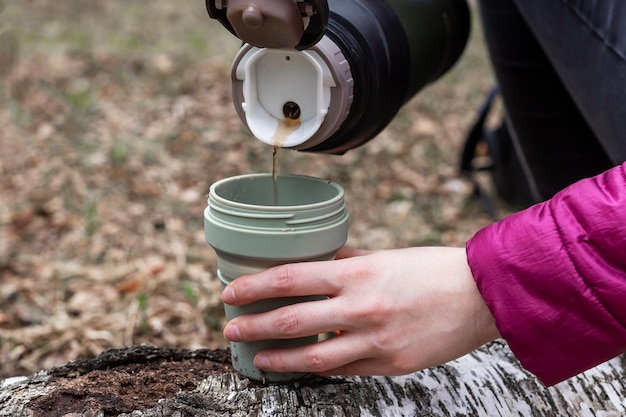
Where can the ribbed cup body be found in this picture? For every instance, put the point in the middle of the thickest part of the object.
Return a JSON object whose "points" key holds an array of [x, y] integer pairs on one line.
{"points": [[253, 225]]}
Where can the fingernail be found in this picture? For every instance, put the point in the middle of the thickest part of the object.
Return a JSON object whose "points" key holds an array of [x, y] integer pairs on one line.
{"points": [[228, 295], [261, 361], [232, 333]]}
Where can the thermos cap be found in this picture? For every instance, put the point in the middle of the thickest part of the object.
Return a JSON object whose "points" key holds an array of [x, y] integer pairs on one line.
{"points": [[266, 24], [278, 24]]}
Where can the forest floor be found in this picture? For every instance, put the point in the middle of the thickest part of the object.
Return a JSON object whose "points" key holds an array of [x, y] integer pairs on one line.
{"points": [[115, 119]]}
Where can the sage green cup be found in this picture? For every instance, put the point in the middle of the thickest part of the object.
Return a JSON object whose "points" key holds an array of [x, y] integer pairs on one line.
{"points": [[254, 223]]}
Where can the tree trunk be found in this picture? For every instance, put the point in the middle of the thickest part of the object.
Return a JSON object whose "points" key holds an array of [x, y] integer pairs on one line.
{"points": [[145, 381]]}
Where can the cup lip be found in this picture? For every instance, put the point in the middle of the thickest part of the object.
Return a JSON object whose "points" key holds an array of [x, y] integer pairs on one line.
{"points": [[214, 195]]}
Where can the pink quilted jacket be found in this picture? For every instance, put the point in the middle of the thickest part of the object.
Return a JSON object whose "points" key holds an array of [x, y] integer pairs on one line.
{"points": [[554, 277]]}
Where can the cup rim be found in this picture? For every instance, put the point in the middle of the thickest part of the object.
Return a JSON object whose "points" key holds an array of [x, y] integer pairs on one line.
{"points": [[214, 194]]}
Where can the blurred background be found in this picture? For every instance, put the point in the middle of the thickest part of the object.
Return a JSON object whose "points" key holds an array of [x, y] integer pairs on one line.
{"points": [[115, 118]]}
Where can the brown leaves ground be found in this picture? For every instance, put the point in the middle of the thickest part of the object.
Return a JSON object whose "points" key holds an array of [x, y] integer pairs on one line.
{"points": [[115, 121]]}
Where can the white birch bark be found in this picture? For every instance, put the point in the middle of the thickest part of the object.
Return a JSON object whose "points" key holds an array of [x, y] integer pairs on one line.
{"points": [[487, 382]]}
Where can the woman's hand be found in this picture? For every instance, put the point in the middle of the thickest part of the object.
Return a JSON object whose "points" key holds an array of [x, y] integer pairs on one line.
{"points": [[398, 311]]}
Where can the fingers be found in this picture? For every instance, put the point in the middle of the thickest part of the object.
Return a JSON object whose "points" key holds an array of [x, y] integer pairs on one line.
{"points": [[331, 357], [360, 367], [291, 280], [343, 355], [298, 320]]}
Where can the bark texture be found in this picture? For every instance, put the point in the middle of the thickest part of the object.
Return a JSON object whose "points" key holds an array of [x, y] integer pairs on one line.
{"points": [[145, 381]]}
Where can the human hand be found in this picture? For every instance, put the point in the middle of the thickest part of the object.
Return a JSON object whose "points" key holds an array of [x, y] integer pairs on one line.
{"points": [[398, 311]]}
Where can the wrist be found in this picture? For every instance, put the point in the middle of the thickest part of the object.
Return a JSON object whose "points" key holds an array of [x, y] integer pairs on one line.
{"points": [[484, 321]]}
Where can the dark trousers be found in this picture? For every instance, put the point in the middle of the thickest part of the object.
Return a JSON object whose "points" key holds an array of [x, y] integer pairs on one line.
{"points": [[561, 69]]}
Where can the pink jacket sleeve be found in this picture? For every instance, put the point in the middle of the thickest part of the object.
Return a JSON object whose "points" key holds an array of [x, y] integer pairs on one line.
{"points": [[554, 277]]}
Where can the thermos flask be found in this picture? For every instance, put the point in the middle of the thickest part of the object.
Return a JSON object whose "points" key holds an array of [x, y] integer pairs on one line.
{"points": [[339, 70]]}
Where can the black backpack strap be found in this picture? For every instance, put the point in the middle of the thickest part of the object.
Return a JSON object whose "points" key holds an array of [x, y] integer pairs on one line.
{"points": [[467, 168]]}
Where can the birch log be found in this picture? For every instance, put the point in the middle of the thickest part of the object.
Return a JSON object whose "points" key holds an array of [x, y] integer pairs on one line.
{"points": [[145, 381]]}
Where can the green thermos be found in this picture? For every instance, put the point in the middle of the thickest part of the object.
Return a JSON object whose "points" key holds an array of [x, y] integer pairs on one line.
{"points": [[342, 68]]}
